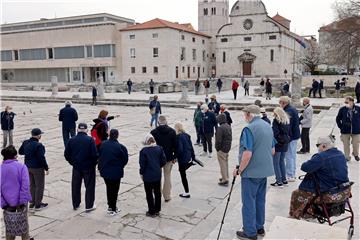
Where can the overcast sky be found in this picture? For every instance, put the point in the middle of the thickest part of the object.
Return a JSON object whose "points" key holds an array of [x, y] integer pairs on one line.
{"points": [[306, 15]]}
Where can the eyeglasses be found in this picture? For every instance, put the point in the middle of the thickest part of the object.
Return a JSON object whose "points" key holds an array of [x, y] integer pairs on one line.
{"points": [[346, 102]]}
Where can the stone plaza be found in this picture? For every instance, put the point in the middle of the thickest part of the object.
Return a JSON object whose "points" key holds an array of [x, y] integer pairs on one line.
{"points": [[196, 218]]}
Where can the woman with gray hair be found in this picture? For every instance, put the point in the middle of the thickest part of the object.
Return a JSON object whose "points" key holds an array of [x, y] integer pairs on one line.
{"points": [[151, 160]]}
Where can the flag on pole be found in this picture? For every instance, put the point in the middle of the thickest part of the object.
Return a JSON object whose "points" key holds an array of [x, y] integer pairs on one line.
{"points": [[301, 42]]}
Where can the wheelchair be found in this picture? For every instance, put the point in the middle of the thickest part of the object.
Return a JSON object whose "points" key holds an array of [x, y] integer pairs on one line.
{"points": [[324, 212]]}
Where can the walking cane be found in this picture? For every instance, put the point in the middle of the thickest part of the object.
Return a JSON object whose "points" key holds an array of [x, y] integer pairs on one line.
{"points": [[227, 204]]}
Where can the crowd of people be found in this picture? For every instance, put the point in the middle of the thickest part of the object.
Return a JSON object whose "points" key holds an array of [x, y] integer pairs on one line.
{"points": [[265, 149]]}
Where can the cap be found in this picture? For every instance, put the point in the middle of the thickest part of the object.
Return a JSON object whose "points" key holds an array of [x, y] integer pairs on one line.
{"points": [[36, 132], [252, 109], [262, 110], [82, 126], [325, 140]]}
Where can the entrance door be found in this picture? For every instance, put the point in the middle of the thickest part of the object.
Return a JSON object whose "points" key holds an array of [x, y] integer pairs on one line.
{"points": [[188, 72], [177, 72], [247, 68], [199, 72]]}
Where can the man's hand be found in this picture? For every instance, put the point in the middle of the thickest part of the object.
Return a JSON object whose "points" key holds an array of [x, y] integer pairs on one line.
{"points": [[47, 172], [236, 172]]}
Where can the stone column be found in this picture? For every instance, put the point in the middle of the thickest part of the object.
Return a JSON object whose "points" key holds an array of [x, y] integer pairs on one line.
{"points": [[184, 92], [54, 86], [296, 84], [100, 87]]}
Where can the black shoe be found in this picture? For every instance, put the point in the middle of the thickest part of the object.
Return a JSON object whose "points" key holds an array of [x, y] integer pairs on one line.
{"points": [[76, 208], [261, 232], [357, 158], [285, 183], [276, 184], [242, 235], [223, 183], [157, 214], [31, 206], [41, 206], [148, 214], [184, 195]]}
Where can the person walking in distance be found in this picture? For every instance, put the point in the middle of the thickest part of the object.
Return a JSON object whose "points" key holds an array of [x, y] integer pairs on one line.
{"points": [[268, 89], [348, 121], [151, 86], [337, 88], [223, 139], [155, 110], [357, 91], [321, 87], [94, 95], [281, 129], [256, 152], [197, 122], [306, 123], [165, 137], [208, 124], [290, 156], [234, 87], [314, 88], [113, 157], [206, 84], [7, 125], [15, 191], [219, 84], [197, 86], [81, 154], [68, 116], [129, 84], [247, 87], [35, 161], [151, 160]]}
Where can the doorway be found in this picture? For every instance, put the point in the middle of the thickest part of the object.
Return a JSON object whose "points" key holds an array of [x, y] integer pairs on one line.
{"points": [[247, 68]]}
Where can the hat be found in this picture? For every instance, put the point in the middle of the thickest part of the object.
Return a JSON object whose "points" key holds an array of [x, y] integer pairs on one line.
{"points": [[252, 109], [325, 140], [82, 126], [262, 110], [36, 132], [213, 97]]}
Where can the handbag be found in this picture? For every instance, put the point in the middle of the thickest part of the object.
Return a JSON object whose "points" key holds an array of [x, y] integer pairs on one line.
{"points": [[153, 109], [16, 221]]}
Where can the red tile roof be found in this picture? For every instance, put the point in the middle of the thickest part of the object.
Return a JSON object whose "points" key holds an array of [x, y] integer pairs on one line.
{"points": [[280, 18], [160, 23], [348, 24]]}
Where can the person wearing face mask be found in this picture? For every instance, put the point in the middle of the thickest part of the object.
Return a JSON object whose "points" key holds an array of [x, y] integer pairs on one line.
{"points": [[348, 121], [7, 125], [357, 91], [255, 164], [328, 168], [208, 123], [306, 123]]}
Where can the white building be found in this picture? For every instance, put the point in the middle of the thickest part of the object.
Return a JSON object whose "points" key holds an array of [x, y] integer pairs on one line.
{"points": [[164, 51]]}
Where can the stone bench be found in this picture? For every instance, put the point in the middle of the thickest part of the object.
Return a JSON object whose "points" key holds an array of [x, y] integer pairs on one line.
{"points": [[287, 228]]}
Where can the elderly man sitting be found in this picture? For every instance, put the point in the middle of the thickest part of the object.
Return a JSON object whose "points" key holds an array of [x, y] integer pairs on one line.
{"points": [[328, 170]]}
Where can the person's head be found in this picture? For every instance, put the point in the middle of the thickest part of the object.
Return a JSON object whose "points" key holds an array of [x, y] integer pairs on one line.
{"points": [[213, 98], [221, 119], [156, 97], [250, 112], [284, 101], [306, 101], [82, 128], [68, 103], [103, 114], [314, 80], [151, 80], [162, 120], [8, 109], [36, 133], [204, 108], [9, 153], [281, 116], [325, 143], [114, 134], [222, 108], [263, 111], [149, 139], [179, 128], [258, 103], [199, 104], [349, 102]]}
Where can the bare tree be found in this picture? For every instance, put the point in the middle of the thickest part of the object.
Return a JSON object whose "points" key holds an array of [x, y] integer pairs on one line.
{"points": [[311, 57]]}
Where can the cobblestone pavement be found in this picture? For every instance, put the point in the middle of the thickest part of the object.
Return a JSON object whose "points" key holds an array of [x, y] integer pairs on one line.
{"points": [[194, 218]]}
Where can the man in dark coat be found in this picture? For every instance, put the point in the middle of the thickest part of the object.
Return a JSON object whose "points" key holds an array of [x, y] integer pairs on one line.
{"points": [[68, 116], [321, 87], [165, 137], [348, 121], [208, 124], [94, 95], [7, 125], [337, 88], [81, 153], [129, 85], [314, 88], [219, 84], [357, 91], [113, 157], [214, 106]]}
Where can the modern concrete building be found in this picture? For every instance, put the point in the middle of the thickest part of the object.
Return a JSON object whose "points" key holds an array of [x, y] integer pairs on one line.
{"points": [[164, 51], [76, 49]]}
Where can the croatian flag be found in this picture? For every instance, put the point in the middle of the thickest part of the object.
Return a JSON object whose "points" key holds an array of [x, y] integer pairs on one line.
{"points": [[301, 42]]}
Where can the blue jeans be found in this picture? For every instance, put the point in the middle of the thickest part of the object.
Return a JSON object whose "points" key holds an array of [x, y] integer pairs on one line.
{"points": [[67, 134], [279, 166], [129, 89], [154, 117], [253, 193], [290, 159]]}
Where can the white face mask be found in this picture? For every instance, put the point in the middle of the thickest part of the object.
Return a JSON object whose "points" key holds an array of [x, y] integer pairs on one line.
{"points": [[347, 106], [203, 111]]}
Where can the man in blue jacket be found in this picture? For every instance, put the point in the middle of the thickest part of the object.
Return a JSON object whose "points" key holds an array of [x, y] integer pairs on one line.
{"points": [[290, 156], [113, 157], [348, 121], [81, 153], [68, 116], [208, 124], [7, 125], [214, 106], [35, 161]]}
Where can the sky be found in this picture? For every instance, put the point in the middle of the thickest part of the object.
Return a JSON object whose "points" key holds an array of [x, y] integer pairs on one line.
{"points": [[307, 16]]}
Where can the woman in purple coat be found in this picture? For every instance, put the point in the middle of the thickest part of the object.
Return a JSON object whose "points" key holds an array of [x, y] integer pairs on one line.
{"points": [[15, 191]]}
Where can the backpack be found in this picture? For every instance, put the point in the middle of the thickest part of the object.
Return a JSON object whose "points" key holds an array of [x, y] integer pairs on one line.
{"points": [[94, 134]]}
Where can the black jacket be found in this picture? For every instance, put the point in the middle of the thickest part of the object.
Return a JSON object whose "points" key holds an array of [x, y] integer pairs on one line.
{"points": [[81, 153], [7, 120], [102, 129], [34, 153], [228, 117], [68, 116], [94, 92], [223, 136], [280, 131], [151, 160], [185, 150], [348, 120], [214, 107], [357, 88], [113, 157], [165, 137]]}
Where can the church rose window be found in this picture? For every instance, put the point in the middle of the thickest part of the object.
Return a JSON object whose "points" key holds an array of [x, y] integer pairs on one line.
{"points": [[248, 24]]}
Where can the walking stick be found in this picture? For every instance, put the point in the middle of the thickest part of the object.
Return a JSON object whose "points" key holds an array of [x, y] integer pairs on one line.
{"points": [[227, 204]]}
